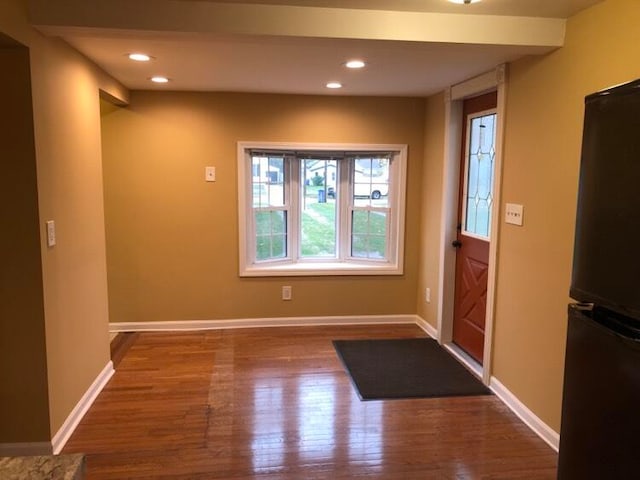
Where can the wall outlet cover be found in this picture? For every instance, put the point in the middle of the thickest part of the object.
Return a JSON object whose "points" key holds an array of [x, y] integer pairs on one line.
{"points": [[286, 293]]}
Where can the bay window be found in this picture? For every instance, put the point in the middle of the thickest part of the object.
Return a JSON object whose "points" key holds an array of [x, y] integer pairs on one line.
{"points": [[321, 209]]}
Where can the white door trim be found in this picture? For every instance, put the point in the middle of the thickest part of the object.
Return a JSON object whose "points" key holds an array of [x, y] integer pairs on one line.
{"points": [[454, 97]]}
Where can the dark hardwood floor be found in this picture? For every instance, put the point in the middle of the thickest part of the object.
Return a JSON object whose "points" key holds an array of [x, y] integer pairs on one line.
{"points": [[276, 404]]}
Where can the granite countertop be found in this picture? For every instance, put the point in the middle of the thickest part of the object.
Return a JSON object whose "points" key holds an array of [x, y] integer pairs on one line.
{"points": [[49, 467]]}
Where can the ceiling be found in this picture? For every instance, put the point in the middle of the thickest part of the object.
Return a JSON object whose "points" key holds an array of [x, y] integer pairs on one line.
{"points": [[412, 47]]}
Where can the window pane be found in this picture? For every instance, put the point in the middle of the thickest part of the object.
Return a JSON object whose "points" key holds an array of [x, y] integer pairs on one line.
{"points": [[263, 247], [268, 181], [369, 234], [278, 221], [372, 247], [472, 179], [480, 171], [278, 246], [377, 247], [318, 207], [472, 211], [371, 181], [270, 247], [259, 195], [360, 223], [271, 236], [359, 246], [275, 176], [263, 223]]}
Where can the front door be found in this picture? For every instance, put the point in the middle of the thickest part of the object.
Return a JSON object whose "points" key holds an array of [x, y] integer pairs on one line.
{"points": [[474, 223]]}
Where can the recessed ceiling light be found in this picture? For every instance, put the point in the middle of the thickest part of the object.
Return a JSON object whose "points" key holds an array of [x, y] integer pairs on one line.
{"points": [[139, 57], [334, 85], [354, 64], [466, 2], [158, 79]]}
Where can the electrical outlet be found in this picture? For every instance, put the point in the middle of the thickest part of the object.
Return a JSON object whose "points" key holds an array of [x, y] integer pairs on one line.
{"points": [[427, 295], [286, 293]]}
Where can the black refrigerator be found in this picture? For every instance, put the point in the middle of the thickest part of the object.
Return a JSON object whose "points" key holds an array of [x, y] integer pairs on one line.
{"points": [[600, 427]]}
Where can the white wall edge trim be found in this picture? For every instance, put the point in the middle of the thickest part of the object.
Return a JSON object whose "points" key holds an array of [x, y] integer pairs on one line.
{"points": [[475, 85], [185, 325], [454, 97], [25, 449], [427, 327], [544, 431], [68, 427], [466, 360]]}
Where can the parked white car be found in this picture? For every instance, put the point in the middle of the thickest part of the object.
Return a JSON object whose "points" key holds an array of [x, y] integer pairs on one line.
{"points": [[372, 190], [366, 190]]}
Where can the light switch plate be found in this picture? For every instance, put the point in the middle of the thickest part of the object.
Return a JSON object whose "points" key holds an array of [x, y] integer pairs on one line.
{"points": [[210, 174], [514, 214], [51, 233]]}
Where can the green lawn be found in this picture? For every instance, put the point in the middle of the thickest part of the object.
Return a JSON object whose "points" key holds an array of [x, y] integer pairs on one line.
{"points": [[319, 232]]}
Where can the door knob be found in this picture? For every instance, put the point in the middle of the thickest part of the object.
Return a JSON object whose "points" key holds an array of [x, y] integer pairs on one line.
{"points": [[456, 243]]}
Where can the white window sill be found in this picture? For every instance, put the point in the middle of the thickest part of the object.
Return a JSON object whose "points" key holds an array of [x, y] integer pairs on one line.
{"points": [[320, 269]]}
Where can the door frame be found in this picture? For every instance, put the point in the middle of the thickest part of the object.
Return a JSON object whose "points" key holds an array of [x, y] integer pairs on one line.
{"points": [[454, 97]]}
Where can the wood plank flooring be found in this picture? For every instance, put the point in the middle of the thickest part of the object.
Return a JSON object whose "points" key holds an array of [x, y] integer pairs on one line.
{"points": [[276, 403]]}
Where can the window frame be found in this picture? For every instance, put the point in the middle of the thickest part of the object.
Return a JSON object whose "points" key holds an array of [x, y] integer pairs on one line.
{"points": [[292, 265]]}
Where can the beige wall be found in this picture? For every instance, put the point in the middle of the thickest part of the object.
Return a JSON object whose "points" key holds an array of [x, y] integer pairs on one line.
{"points": [[65, 99], [172, 239], [24, 404], [67, 120], [541, 159], [543, 134], [431, 208]]}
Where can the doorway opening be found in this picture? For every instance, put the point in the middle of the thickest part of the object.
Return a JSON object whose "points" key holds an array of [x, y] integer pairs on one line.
{"points": [[473, 237], [470, 216]]}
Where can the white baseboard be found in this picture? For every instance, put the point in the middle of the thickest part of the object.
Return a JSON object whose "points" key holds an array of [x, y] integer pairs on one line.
{"points": [[426, 326], [544, 431], [465, 359], [60, 438], [190, 325], [25, 449]]}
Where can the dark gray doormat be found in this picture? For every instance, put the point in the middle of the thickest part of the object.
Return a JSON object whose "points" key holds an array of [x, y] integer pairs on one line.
{"points": [[405, 368]]}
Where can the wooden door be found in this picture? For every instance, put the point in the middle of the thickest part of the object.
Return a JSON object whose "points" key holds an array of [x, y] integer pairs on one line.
{"points": [[474, 223]]}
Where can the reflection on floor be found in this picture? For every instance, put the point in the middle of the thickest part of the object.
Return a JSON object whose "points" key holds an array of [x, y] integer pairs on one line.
{"points": [[276, 404]]}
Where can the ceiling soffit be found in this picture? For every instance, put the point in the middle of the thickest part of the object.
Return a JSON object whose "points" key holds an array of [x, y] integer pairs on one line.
{"points": [[187, 16]]}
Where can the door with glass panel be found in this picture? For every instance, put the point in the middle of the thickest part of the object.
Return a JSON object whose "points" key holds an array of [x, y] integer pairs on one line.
{"points": [[474, 223]]}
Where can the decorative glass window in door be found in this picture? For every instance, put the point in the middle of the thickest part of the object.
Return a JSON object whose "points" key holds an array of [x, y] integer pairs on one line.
{"points": [[479, 173]]}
